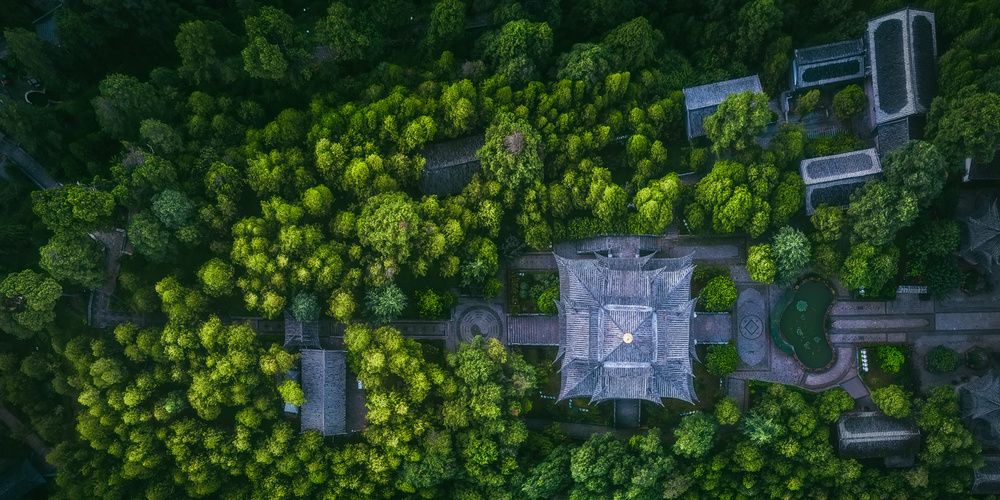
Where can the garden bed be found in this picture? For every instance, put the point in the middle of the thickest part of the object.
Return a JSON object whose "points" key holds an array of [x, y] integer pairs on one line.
{"points": [[525, 288], [876, 378]]}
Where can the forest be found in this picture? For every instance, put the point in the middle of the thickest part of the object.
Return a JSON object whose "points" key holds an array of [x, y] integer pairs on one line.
{"points": [[264, 156]]}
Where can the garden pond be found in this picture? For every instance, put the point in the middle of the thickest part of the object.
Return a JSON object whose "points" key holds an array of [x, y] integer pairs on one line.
{"points": [[803, 324]]}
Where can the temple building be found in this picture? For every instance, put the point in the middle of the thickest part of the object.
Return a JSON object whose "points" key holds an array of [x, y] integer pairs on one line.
{"points": [[981, 237], [703, 101], [981, 406], [828, 64], [986, 479], [449, 166], [624, 327], [831, 180], [876, 435], [324, 381], [902, 54]]}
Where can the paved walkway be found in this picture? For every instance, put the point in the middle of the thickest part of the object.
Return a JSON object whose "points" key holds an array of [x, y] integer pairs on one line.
{"points": [[28, 437], [28, 165]]}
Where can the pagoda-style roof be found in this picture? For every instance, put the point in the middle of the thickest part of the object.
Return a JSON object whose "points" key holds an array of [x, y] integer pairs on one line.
{"points": [[703, 101], [450, 165], [831, 63], [19, 480], [903, 57], [873, 434], [981, 237], [324, 384], [986, 479], [981, 401], [624, 328], [300, 334]]}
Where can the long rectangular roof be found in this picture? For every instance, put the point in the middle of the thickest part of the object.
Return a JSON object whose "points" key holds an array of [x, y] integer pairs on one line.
{"points": [[450, 165], [841, 166], [324, 380], [830, 63], [834, 193], [874, 434], [702, 101], [903, 58], [986, 479]]}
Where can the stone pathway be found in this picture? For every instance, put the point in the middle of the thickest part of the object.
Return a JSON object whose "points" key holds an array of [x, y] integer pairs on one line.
{"points": [[31, 168], [27, 436]]}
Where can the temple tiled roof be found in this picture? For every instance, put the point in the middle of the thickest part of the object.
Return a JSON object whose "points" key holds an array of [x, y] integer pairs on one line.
{"points": [[19, 480], [324, 379], [874, 434], [450, 165], [986, 479], [981, 401], [300, 334], [624, 328], [830, 63], [903, 58], [841, 166], [981, 237], [702, 101], [895, 134]]}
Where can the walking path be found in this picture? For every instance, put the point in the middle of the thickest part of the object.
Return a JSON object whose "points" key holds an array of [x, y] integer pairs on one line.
{"points": [[18, 429], [28, 165]]}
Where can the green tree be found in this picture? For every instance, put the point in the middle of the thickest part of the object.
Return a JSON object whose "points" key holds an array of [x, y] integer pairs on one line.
{"points": [[943, 276], [807, 103], [305, 307], [216, 277], [893, 401], [123, 102], [832, 402], [942, 359], [891, 359], [919, 169], [547, 301], [879, 210], [727, 411], [291, 392], [198, 43], [826, 259], [446, 25], [74, 258], [695, 435], [719, 294], [386, 303], [849, 103], [968, 124], [634, 44], [429, 304], [722, 359], [173, 208], [870, 267], [73, 208], [931, 242], [274, 45], [791, 251], [757, 22], [761, 264], [512, 154], [149, 236], [31, 54], [737, 121], [27, 300], [585, 62], [829, 223], [159, 136], [655, 203], [948, 444], [354, 36], [518, 50], [390, 225]]}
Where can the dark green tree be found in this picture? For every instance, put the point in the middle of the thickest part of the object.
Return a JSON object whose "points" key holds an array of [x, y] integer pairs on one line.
{"points": [[74, 258], [722, 359], [737, 121], [917, 168], [27, 300], [695, 435]]}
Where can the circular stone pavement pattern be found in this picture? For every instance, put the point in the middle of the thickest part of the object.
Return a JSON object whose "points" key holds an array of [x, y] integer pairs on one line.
{"points": [[478, 320], [751, 344]]}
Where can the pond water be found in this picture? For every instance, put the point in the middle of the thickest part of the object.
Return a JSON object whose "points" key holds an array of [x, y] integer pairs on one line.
{"points": [[37, 98], [802, 324]]}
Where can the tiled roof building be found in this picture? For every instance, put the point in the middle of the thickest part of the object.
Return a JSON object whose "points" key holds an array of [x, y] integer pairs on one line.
{"points": [[702, 101], [450, 165], [876, 435], [825, 64], [986, 479], [324, 381], [831, 180], [624, 328], [981, 237]]}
